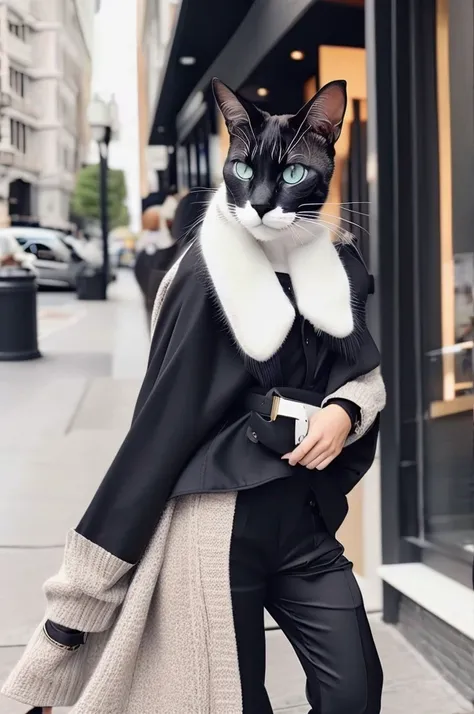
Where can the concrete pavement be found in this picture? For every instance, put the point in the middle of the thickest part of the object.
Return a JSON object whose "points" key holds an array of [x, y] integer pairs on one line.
{"points": [[61, 421]]}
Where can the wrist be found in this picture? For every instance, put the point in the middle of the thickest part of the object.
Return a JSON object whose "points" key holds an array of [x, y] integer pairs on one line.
{"points": [[351, 409]]}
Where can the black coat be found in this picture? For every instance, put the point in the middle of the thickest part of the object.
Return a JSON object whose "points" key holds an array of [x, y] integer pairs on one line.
{"points": [[189, 430]]}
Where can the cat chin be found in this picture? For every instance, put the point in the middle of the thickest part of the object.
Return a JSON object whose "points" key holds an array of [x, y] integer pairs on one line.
{"points": [[264, 234], [272, 226]]}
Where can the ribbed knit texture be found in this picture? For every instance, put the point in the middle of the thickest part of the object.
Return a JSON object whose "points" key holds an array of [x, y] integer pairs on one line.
{"points": [[163, 639], [162, 290], [89, 587], [188, 655], [368, 392]]}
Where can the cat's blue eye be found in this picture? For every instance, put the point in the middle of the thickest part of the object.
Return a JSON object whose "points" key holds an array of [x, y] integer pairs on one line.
{"points": [[243, 171], [294, 173]]}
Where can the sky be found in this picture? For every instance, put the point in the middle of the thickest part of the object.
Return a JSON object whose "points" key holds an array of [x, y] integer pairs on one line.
{"points": [[115, 72]]}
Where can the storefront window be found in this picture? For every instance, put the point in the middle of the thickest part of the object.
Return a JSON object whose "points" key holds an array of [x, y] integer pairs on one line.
{"points": [[448, 474], [182, 168]]}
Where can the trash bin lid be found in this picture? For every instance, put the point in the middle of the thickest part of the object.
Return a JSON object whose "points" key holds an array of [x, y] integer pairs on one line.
{"points": [[9, 275]]}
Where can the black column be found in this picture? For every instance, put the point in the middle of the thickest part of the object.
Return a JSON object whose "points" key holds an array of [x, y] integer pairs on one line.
{"points": [[403, 185], [383, 312]]}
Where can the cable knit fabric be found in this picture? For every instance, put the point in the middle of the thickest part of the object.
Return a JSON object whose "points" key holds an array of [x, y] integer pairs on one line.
{"points": [[161, 633]]}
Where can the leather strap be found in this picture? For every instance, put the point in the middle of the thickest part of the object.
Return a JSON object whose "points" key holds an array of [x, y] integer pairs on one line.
{"points": [[259, 403], [64, 638]]}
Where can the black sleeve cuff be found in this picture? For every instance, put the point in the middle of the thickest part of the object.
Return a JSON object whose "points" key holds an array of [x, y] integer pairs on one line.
{"points": [[64, 636], [351, 409]]}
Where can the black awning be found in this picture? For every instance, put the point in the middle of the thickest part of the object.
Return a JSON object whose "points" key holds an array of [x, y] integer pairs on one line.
{"points": [[203, 29]]}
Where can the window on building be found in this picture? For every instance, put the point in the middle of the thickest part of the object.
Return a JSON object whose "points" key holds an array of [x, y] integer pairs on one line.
{"points": [[448, 317], [17, 28], [18, 134], [22, 139], [18, 82]]}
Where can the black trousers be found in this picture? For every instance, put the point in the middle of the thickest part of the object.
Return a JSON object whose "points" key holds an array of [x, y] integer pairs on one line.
{"points": [[283, 558]]}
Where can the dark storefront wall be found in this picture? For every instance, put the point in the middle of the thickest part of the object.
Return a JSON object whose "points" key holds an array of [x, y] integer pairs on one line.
{"points": [[449, 482], [305, 25], [421, 145]]}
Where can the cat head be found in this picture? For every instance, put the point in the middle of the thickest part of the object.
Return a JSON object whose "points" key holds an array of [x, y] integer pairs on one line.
{"points": [[278, 168]]}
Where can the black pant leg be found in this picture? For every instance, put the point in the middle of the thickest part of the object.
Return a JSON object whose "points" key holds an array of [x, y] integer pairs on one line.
{"points": [[317, 603], [248, 589]]}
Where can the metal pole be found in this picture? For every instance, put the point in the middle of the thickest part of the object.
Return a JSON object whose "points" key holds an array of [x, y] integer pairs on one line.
{"points": [[104, 218]]}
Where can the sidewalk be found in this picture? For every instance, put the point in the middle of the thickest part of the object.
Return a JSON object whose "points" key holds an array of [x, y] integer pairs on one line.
{"points": [[62, 419]]}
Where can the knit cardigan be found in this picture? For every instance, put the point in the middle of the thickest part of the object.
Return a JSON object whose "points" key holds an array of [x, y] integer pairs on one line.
{"points": [[161, 633]]}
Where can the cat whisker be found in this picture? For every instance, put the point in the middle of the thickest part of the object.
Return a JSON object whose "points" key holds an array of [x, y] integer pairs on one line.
{"points": [[296, 138], [298, 155], [202, 188], [337, 230], [338, 203], [342, 237], [243, 138], [193, 227], [345, 220], [350, 210], [329, 216]]}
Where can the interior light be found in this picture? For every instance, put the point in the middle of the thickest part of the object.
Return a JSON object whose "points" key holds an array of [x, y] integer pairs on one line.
{"points": [[297, 55], [187, 61], [262, 92]]}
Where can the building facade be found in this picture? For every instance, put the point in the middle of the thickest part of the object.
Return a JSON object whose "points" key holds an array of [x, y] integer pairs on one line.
{"points": [[45, 50], [156, 23], [403, 186]]}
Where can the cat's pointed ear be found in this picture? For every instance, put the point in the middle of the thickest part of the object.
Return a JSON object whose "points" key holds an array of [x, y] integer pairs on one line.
{"points": [[325, 111], [235, 109]]}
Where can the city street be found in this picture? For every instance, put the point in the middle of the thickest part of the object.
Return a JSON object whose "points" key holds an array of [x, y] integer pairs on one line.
{"points": [[61, 421]]}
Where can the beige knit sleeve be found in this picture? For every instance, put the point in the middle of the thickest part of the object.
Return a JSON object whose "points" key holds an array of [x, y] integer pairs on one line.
{"points": [[162, 290], [368, 392], [85, 595]]}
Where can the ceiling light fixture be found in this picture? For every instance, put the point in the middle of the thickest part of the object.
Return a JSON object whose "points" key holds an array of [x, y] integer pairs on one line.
{"points": [[262, 92], [187, 61], [297, 55]]}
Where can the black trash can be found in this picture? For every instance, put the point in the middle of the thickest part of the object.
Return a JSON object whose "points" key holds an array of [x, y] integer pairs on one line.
{"points": [[90, 285], [18, 319]]}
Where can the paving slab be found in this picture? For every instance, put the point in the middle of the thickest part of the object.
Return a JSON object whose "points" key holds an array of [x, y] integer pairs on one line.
{"points": [[22, 603], [45, 492], [107, 404]]}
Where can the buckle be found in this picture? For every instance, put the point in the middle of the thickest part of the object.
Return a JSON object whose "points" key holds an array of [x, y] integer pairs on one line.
{"points": [[298, 411]]}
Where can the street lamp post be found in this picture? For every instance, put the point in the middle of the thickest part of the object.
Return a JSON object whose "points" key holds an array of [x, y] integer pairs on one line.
{"points": [[102, 119]]}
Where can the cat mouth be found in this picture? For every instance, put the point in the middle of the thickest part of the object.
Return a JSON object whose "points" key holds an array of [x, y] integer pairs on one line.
{"points": [[276, 219]]}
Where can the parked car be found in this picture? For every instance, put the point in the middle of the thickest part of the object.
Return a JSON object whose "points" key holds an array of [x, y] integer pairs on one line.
{"points": [[57, 263], [60, 258], [11, 253]]}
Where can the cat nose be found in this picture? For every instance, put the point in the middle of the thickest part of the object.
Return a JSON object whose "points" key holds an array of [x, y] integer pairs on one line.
{"points": [[261, 208]]}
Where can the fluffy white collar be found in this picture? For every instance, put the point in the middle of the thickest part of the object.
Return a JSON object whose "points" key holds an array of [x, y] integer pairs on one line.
{"points": [[256, 307]]}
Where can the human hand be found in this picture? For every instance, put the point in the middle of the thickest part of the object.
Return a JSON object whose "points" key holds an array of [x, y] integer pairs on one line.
{"points": [[327, 434]]}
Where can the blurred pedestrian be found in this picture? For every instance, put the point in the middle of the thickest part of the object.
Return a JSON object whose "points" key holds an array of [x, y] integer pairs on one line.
{"points": [[168, 208], [258, 414], [156, 250]]}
